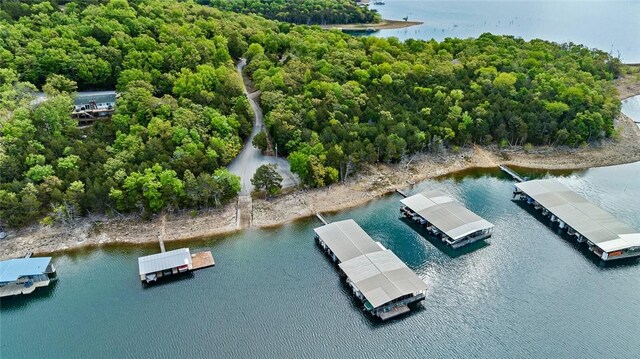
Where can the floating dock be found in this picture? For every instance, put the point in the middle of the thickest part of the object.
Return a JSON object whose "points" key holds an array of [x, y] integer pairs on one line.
{"points": [[24, 275], [512, 173], [164, 264], [376, 276], [607, 237], [443, 217], [202, 260]]}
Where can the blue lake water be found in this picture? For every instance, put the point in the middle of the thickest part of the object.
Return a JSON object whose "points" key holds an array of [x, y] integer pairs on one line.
{"points": [[631, 107], [527, 293], [612, 26]]}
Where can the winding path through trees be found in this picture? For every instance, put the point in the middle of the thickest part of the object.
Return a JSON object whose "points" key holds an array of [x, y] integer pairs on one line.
{"points": [[250, 158]]}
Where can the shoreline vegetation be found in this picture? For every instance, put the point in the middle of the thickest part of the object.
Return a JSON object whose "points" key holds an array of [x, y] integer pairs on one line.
{"points": [[373, 182], [338, 106], [384, 24]]}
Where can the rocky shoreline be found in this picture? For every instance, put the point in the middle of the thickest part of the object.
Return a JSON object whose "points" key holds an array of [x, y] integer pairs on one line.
{"points": [[372, 182]]}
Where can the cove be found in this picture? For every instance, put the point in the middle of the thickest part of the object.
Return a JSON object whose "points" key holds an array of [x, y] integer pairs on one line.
{"points": [[273, 293]]}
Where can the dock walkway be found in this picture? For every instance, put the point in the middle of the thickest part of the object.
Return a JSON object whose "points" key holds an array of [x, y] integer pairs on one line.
{"points": [[511, 173], [322, 219], [401, 193]]}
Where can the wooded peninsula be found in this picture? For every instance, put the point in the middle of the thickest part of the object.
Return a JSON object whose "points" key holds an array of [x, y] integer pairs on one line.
{"points": [[332, 102]]}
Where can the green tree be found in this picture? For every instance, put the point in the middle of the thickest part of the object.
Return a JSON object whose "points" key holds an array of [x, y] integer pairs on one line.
{"points": [[260, 141], [267, 179], [58, 83]]}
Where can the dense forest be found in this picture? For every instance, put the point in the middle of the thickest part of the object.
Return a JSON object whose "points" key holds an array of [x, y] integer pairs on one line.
{"points": [[182, 115], [336, 103], [332, 102], [306, 12]]}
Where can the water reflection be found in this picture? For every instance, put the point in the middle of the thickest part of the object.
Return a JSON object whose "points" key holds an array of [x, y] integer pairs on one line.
{"points": [[571, 241], [23, 301], [439, 244]]}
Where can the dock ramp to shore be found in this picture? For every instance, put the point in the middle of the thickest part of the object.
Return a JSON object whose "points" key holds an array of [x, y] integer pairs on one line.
{"points": [[512, 173], [322, 219]]}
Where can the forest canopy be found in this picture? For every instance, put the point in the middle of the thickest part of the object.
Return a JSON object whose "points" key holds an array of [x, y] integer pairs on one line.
{"points": [[306, 12], [332, 102]]}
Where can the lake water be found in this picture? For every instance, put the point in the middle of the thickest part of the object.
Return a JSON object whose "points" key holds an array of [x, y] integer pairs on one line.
{"points": [[527, 293], [272, 294], [612, 26], [631, 107]]}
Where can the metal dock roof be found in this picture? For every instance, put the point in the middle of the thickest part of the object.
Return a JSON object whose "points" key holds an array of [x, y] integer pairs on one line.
{"points": [[448, 216], [83, 98], [382, 277], [12, 269], [165, 260], [591, 221], [346, 239]]}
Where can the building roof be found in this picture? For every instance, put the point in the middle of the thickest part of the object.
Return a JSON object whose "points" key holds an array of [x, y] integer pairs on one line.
{"points": [[165, 260], [12, 269], [591, 221], [346, 239], [98, 97], [382, 277], [448, 216]]}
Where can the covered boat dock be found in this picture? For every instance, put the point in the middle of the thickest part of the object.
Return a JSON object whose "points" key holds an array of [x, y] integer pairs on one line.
{"points": [[155, 266], [383, 282], [450, 221], [345, 240], [24, 275], [375, 274], [606, 236]]}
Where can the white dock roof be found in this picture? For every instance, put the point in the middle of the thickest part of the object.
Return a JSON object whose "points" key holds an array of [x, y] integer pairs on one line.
{"points": [[382, 277], [448, 216], [591, 221], [346, 239], [165, 260]]}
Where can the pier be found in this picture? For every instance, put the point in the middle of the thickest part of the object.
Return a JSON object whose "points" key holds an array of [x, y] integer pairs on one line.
{"points": [[443, 217], [162, 232], [606, 236], [512, 173], [376, 276], [401, 193], [322, 219], [169, 263]]}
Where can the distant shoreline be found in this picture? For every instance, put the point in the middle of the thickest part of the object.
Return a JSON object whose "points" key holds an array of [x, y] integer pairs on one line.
{"points": [[382, 25]]}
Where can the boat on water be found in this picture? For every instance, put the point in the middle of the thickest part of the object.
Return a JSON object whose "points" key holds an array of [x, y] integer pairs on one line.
{"points": [[24, 275]]}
